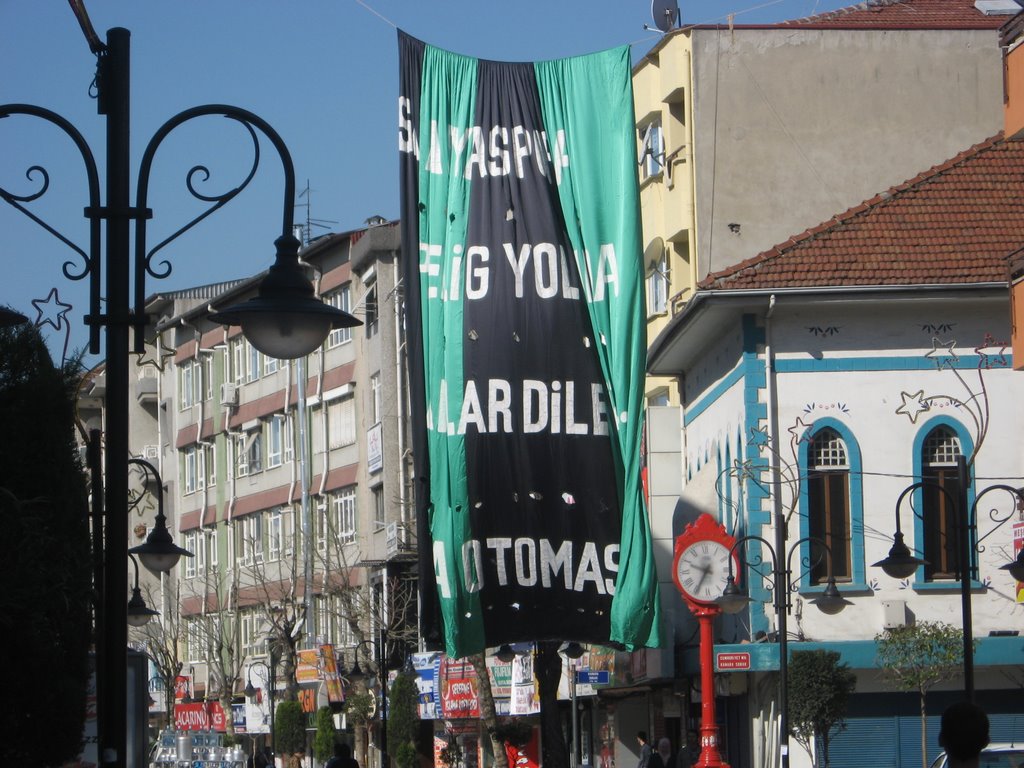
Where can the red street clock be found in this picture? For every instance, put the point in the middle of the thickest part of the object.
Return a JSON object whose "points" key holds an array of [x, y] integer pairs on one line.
{"points": [[700, 567]]}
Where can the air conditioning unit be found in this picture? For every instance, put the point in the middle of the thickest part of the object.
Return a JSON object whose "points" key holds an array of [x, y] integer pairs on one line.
{"points": [[151, 452], [228, 394]]}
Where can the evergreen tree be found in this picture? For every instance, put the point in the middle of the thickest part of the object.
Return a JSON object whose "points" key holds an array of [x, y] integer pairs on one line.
{"points": [[45, 584]]}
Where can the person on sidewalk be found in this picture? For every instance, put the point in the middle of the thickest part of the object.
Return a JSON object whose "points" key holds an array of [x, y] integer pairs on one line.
{"points": [[645, 750], [963, 734]]}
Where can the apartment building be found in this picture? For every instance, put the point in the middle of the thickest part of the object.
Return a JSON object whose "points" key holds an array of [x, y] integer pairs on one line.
{"points": [[288, 480]]}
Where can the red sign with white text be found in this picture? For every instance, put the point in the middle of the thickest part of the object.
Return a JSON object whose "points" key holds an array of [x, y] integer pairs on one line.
{"points": [[200, 716], [459, 698], [734, 660]]}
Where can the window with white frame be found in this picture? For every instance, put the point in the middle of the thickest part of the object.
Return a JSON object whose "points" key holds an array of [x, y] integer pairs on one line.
{"points": [[275, 441], [190, 384], [343, 514], [191, 458], [289, 438], [340, 299], [190, 562], [199, 553], [253, 362], [211, 548], [341, 422], [238, 360], [249, 630], [207, 376], [379, 517], [652, 149], [657, 287], [209, 463], [275, 534], [346, 638], [250, 532], [270, 365], [195, 647], [290, 539], [375, 403], [370, 308], [323, 527], [324, 618], [248, 453]]}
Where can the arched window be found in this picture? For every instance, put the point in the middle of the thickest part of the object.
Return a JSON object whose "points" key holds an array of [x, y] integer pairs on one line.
{"points": [[939, 453], [828, 498]]}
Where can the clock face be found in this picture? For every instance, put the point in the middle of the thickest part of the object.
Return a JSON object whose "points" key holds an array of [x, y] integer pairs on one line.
{"points": [[702, 570]]}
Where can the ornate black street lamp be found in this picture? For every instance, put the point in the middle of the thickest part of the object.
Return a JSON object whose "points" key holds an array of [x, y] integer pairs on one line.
{"points": [[901, 563], [250, 690], [118, 214], [783, 584], [380, 656]]}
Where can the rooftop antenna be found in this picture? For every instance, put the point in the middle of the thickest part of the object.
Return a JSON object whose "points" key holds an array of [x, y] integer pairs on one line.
{"points": [[665, 14], [307, 230]]}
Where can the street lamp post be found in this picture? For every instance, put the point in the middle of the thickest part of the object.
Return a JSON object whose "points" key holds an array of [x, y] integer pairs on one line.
{"points": [[285, 320], [782, 585], [250, 690], [901, 563], [380, 660]]}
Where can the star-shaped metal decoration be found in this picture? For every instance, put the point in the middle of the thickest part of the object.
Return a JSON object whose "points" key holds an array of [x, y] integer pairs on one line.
{"points": [[991, 353], [913, 405], [51, 311], [758, 438], [155, 353], [743, 470], [799, 430], [942, 352]]}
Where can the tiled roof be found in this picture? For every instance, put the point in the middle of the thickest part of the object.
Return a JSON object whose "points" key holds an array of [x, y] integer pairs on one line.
{"points": [[955, 223], [904, 14]]}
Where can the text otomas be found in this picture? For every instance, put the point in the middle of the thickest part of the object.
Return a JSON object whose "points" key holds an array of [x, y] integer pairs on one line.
{"points": [[526, 562]]}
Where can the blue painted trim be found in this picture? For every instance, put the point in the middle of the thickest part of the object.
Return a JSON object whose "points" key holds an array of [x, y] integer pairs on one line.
{"points": [[915, 363], [757, 487], [862, 654], [949, 586], [967, 448], [855, 480], [695, 410]]}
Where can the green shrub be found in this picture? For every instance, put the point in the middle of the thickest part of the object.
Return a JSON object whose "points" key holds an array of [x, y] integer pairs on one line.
{"points": [[289, 728], [323, 742]]}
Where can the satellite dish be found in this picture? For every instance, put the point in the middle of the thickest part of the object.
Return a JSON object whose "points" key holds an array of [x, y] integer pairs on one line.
{"points": [[664, 13]]}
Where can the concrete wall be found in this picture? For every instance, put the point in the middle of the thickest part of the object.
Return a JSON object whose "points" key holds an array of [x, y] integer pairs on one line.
{"points": [[794, 126]]}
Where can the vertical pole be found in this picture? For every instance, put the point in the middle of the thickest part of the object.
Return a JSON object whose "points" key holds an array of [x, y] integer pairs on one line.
{"points": [[963, 531], [307, 523], [780, 594], [270, 685], [574, 761], [383, 671], [710, 757], [782, 610], [114, 86]]}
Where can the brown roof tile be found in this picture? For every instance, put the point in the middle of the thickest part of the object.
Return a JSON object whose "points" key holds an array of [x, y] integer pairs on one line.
{"points": [[955, 223], [903, 14]]}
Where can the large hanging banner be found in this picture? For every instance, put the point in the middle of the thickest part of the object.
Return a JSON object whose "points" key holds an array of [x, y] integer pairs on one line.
{"points": [[523, 287]]}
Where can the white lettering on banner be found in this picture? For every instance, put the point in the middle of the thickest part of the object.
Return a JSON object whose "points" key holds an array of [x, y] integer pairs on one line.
{"points": [[502, 151], [487, 408], [538, 269], [526, 562]]}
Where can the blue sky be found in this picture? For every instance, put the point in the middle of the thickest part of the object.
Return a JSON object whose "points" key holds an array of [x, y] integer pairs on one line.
{"points": [[323, 73]]}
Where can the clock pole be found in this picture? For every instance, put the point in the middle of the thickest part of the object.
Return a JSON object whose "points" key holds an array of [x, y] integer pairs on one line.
{"points": [[710, 757], [702, 561]]}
